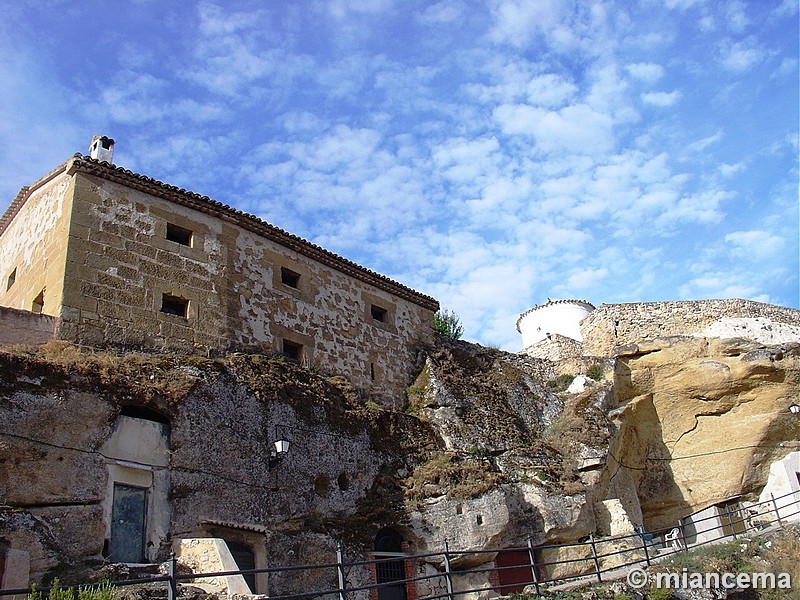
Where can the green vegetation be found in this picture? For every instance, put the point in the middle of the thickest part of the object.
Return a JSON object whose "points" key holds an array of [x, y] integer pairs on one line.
{"points": [[447, 323], [101, 591], [447, 473], [561, 383], [595, 372]]}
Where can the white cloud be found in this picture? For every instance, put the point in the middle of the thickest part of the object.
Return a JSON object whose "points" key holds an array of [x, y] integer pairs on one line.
{"points": [[448, 11], [754, 244], [682, 4], [551, 90], [704, 143], [661, 99], [517, 21], [729, 171], [646, 72], [741, 56], [582, 279], [578, 129], [735, 15]]}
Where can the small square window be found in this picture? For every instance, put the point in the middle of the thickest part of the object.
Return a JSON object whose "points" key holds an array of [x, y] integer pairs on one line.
{"points": [[289, 277], [174, 305], [379, 313], [292, 350], [179, 235], [11, 279]]}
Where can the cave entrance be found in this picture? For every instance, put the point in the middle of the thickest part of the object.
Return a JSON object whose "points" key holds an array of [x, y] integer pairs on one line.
{"points": [[390, 566]]}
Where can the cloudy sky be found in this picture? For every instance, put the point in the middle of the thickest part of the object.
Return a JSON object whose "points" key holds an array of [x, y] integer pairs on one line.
{"points": [[492, 154]]}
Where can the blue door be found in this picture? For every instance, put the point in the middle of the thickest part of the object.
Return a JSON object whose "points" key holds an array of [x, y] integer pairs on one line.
{"points": [[127, 524]]}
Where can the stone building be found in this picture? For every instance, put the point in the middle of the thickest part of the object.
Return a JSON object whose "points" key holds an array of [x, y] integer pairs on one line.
{"points": [[120, 259]]}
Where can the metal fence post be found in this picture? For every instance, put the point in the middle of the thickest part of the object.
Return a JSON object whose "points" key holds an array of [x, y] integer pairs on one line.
{"points": [[172, 591], [596, 561], [777, 513], [730, 521], [340, 572], [532, 556], [683, 535], [645, 548], [448, 578]]}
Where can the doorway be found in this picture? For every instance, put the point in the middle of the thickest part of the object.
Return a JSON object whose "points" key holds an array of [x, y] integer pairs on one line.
{"points": [[388, 543], [245, 560], [128, 509]]}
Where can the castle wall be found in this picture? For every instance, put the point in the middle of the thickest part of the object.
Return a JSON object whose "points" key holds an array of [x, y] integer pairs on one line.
{"points": [[244, 291], [33, 247], [613, 325]]}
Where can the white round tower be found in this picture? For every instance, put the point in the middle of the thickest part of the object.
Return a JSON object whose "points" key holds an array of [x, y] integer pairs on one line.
{"points": [[562, 317]]}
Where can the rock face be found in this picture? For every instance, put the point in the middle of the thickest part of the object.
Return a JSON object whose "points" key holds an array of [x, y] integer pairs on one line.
{"points": [[700, 421], [490, 450]]}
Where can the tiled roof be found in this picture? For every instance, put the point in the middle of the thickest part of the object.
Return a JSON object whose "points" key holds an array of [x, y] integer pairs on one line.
{"points": [[104, 170]]}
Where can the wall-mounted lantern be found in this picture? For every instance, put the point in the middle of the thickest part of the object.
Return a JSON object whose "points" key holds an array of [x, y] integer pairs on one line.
{"points": [[794, 408], [280, 448]]}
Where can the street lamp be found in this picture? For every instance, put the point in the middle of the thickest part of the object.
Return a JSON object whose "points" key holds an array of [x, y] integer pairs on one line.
{"points": [[280, 448]]}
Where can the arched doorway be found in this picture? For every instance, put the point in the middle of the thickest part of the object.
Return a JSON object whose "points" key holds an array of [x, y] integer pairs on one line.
{"points": [[389, 544]]}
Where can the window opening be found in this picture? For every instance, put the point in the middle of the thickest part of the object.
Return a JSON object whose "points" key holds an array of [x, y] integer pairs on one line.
{"points": [[372, 371], [379, 313], [140, 412], [174, 305], [11, 279], [322, 486], [37, 305], [292, 350], [128, 524], [179, 235], [343, 482], [289, 277]]}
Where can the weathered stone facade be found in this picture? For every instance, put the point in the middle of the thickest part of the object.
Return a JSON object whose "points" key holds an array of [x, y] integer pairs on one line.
{"points": [[612, 325], [124, 260]]}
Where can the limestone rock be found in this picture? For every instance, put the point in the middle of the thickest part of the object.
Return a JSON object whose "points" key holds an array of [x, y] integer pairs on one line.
{"points": [[700, 420]]}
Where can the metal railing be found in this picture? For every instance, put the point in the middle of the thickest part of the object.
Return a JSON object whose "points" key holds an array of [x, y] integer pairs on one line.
{"points": [[601, 557]]}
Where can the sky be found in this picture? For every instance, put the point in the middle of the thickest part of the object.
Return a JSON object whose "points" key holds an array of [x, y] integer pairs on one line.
{"points": [[492, 154]]}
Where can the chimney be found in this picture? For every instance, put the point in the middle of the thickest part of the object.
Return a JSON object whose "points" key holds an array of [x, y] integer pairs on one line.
{"points": [[102, 149]]}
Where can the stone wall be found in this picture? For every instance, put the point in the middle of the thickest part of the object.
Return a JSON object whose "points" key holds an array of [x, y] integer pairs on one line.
{"points": [[555, 347], [613, 325], [25, 327], [33, 245]]}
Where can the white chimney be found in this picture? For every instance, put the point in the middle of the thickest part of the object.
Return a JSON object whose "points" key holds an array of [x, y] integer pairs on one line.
{"points": [[102, 149]]}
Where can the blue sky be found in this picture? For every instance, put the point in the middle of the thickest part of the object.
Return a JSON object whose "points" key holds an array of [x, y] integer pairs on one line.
{"points": [[491, 154]]}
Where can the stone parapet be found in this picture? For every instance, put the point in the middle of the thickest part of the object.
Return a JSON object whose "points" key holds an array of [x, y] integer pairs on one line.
{"points": [[24, 327], [555, 347], [613, 325]]}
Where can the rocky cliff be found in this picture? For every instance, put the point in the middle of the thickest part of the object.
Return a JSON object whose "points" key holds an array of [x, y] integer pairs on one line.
{"points": [[492, 448]]}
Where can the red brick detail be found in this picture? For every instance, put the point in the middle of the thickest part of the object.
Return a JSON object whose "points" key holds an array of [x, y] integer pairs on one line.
{"points": [[411, 571], [373, 578]]}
